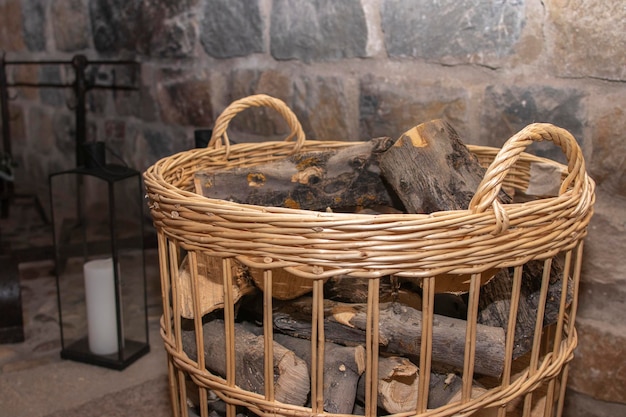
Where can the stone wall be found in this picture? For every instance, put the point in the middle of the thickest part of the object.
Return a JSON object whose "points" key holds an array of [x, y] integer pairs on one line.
{"points": [[351, 70]]}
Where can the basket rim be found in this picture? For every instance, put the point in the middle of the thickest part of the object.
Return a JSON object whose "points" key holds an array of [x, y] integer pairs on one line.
{"points": [[153, 173], [420, 245]]}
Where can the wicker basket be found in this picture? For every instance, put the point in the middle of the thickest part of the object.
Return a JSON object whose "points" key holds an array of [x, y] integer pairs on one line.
{"points": [[314, 246]]}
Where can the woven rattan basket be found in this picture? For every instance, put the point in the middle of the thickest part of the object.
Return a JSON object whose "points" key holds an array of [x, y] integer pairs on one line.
{"points": [[313, 246]]}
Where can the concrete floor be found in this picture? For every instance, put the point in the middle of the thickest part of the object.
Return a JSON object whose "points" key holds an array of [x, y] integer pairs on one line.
{"points": [[36, 382]]}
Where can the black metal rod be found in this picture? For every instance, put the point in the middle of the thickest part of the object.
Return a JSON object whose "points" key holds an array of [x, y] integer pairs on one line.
{"points": [[90, 87], [42, 62], [54, 62], [79, 63], [4, 103]]}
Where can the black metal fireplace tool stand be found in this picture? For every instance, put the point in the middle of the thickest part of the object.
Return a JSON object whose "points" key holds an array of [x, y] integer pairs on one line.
{"points": [[11, 322]]}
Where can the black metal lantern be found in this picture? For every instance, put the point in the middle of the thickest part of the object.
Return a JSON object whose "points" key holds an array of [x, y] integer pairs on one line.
{"points": [[101, 283]]}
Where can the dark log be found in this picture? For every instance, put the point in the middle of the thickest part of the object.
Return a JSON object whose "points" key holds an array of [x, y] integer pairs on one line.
{"points": [[495, 301], [291, 376], [340, 179], [354, 290], [342, 367], [447, 389], [400, 332], [430, 169], [393, 289]]}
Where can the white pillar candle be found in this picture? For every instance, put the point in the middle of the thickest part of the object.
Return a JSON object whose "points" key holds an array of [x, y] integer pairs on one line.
{"points": [[100, 300]]}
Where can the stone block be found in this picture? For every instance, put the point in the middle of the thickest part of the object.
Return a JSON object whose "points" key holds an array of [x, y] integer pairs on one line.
{"points": [[39, 128], [25, 74], [598, 368], [34, 23], [11, 29], [114, 23], [232, 28], [508, 109], [602, 301], [608, 160], [322, 30], [70, 25], [452, 31], [174, 38], [140, 26], [581, 405], [603, 261], [186, 102], [323, 107], [587, 38], [602, 296], [391, 108], [52, 96], [320, 103], [259, 123], [138, 102], [145, 145]]}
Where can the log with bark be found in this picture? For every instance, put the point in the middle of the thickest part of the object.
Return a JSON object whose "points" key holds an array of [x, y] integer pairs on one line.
{"points": [[400, 332], [430, 169], [340, 179], [495, 301], [291, 375], [446, 389], [343, 366]]}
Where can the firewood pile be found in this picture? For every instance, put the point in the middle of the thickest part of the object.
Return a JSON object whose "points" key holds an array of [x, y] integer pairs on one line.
{"points": [[428, 169]]}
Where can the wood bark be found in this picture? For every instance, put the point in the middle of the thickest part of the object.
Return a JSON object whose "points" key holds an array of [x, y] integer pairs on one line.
{"points": [[495, 301], [348, 289], [430, 169], [291, 376], [446, 389], [342, 367], [344, 179], [400, 329]]}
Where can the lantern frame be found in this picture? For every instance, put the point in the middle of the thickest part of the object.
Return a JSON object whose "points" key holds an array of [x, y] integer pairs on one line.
{"points": [[73, 195]]}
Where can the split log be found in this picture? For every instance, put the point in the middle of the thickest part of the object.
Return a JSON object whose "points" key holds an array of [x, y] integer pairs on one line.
{"points": [[342, 367], [446, 389], [291, 376], [398, 380], [430, 169], [400, 329], [210, 284], [340, 179], [285, 286]]}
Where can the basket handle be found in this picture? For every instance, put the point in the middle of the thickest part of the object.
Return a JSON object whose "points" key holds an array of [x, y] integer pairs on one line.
{"points": [[489, 187], [219, 137]]}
